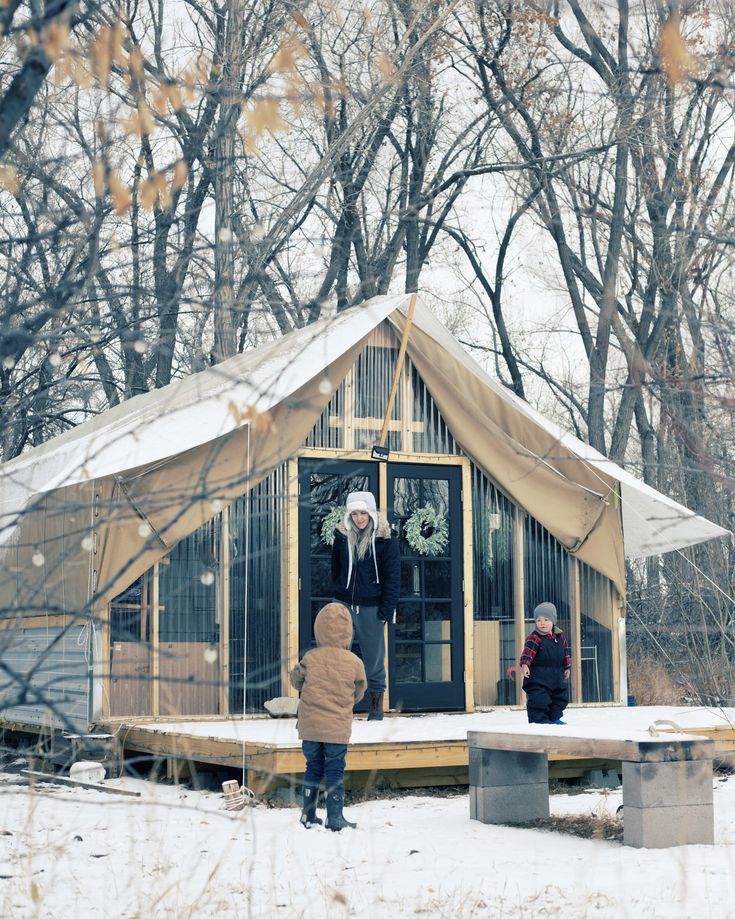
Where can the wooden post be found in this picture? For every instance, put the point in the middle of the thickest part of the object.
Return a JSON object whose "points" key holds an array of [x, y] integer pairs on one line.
{"points": [[399, 368], [468, 592], [576, 624], [224, 614], [518, 591], [290, 593], [155, 608]]}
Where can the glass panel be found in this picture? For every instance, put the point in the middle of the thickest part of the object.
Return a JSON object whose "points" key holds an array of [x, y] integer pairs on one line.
{"points": [[130, 652], [408, 624], [437, 662], [373, 380], [408, 662], [410, 578], [407, 493], [494, 610], [546, 577], [437, 579], [321, 577], [595, 652], [327, 492], [255, 594], [189, 624], [433, 435], [439, 613]]}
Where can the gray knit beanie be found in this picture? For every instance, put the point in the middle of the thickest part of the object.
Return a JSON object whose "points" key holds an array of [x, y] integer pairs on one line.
{"points": [[547, 610]]}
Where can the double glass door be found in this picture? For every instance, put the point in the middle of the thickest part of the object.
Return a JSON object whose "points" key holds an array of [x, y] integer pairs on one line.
{"points": [[426, 645]]}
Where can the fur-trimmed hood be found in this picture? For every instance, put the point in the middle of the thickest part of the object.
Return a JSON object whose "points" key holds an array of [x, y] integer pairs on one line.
{"points": [[382, 527]]}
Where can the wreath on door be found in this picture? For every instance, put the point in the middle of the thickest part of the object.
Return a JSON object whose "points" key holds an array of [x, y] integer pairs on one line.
{"points": [[335, 516], [427, 531]]}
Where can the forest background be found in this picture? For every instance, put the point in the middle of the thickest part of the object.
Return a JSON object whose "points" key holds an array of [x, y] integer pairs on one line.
{"points": [[183, 181]]}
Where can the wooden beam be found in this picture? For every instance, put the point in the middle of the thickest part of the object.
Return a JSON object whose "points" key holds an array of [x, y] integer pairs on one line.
{"points": [[518, 591], [53, 779], [290, 585], [469, 594], [576, 624], [637, 747], [224, 612], [399, 369], [155, 608]]}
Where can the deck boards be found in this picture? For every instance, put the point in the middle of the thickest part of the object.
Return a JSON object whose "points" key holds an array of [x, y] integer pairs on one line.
{"points": [[404, 744]]}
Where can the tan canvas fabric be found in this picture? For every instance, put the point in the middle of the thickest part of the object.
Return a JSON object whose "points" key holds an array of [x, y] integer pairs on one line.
{"points": [[174, 496], [574, 502], [331, 679]]}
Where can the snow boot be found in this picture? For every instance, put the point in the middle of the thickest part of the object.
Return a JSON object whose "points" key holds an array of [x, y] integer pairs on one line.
{"points": [[310, 796], [376, 707], [558, 721], [336, 820]]}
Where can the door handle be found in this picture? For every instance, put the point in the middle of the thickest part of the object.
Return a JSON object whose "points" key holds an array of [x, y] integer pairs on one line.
{"points": [[416, 580]]}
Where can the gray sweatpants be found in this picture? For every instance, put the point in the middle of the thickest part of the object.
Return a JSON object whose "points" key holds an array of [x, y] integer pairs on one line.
{"points": [[370, 635]]}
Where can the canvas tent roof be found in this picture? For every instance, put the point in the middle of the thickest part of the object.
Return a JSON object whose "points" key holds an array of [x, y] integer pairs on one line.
{"points": [[206, 421]]}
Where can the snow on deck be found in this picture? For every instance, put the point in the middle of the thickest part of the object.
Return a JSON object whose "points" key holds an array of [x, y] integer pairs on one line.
{"points": [[600, 722]]}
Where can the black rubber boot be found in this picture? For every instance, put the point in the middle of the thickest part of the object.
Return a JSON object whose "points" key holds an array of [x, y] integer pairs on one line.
{"points": [[376, 707], [310, 796], [335, 802]]}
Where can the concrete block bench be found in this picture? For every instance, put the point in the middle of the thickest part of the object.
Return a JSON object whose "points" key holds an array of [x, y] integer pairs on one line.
{"points": [[667, 779]]}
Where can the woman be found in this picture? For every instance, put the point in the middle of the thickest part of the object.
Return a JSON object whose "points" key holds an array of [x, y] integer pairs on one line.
{"points": [[366, 573]]}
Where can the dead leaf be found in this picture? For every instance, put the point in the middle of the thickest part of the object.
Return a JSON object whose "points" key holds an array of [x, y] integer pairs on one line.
{"points": [[98, 177], [120, 194], [677, 61], [99, 54], [137, 63], [181, 173], [55, 39], [235, 412], [386, 67], [284, 60], [9, 180]]}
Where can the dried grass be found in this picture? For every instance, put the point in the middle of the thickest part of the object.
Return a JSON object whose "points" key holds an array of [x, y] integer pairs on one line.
{"points": [[610, 828], [652, 683]]}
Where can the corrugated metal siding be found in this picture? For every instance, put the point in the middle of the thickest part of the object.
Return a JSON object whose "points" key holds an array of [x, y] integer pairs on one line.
{"points": [[492, 522], [53, 666], [255, 594], [596, 648]]}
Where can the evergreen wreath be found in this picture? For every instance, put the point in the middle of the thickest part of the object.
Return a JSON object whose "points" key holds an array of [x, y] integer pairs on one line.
{"points": [[426, 531], [335, 516]]}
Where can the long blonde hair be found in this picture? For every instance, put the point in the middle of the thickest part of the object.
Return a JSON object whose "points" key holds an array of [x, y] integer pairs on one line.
{"points": [[361, 540]]}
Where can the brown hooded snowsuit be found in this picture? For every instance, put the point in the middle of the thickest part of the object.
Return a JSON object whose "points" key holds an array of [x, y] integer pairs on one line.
{"points": [[331, 679]]}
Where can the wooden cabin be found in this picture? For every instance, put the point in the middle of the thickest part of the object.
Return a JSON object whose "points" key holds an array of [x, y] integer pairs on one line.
{"points": [[167, 559]]}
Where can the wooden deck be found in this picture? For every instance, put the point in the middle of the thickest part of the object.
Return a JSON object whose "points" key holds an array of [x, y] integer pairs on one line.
{"points": [[402, 750]]}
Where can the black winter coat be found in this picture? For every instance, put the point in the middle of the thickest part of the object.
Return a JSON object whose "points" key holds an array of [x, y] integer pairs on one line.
{"points": [[364, 589], [550, 661]]}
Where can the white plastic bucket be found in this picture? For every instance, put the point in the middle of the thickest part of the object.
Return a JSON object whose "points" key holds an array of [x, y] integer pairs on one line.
{"points": [[84, 771]]}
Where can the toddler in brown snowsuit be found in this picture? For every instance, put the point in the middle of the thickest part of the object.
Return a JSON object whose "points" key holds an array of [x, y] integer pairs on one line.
{"points": [[331, 680]]}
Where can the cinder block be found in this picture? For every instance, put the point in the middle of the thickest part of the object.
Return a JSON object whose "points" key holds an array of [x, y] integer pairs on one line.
{"points": [[601, 778], [509, 803], [667, 784], [661, 827], [489, 768]]}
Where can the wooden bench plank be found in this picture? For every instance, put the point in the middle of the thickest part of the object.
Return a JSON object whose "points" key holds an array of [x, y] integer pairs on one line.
{"points": [[634, 746]]}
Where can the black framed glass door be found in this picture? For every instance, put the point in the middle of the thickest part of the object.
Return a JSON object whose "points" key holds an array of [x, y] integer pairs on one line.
{"points": [[323, 486], [426, 647]]}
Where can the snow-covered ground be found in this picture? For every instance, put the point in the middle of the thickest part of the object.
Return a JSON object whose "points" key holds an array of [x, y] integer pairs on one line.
{"points": [[77, 853]]}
